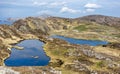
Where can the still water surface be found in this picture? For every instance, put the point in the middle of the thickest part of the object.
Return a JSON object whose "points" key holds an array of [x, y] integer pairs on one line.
{"points": [[32, 55]]}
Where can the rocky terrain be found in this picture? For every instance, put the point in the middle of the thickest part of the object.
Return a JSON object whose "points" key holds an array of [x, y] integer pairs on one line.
{"points": [[103, 20], [66, 58]]}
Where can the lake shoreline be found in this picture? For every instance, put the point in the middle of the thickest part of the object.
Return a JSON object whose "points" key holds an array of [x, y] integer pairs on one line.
{"points": [[43, 40], [33, 49]]}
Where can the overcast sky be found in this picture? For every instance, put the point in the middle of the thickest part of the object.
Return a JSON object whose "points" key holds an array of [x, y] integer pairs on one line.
{"points": [[62, 8]]}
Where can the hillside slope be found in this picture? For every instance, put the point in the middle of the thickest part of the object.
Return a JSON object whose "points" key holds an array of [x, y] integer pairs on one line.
{"points": [[70, 58], [101, 19]]}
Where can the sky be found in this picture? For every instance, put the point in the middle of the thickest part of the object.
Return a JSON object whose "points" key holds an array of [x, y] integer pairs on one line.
{"points": [[60, 8]]}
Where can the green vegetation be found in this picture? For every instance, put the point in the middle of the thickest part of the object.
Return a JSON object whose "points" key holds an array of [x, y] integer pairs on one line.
{"points": [[59, 52], [81, 28], [100, 64], [68, 58]]}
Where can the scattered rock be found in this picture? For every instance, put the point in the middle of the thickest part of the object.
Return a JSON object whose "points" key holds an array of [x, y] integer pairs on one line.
{"points": [[5, 70]]}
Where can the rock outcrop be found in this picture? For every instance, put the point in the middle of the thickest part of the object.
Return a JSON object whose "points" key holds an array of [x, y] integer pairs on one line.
{"points": [[78, 58]]}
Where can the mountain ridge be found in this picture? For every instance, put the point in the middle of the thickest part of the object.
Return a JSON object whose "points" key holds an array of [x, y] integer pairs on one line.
{"points": [[102, 19]]}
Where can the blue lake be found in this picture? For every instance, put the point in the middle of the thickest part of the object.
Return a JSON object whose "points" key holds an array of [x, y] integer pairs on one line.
{"points": [[33, 48], [81, 41], [26, 57]]}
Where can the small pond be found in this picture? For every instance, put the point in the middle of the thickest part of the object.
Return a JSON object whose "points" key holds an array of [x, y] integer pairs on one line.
{"points": [[81, 41], [32, 55]]}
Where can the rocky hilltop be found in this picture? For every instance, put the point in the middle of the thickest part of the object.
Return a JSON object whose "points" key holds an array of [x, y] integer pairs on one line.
{"points": [[101, 19], [80, 59]]}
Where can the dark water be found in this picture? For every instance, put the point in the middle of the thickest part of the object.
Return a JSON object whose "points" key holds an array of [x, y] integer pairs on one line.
{"points": [[26, 57], [81, 41]]}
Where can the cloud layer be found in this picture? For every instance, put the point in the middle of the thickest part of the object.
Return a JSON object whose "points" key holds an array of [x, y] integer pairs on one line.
{"points": [[65, 8], [68, 10], [92, 5]]}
